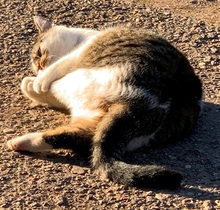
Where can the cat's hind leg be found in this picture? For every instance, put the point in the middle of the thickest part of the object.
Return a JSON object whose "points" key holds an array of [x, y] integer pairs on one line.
{"points": [[76, 136], [31, 142], [45, 98]]}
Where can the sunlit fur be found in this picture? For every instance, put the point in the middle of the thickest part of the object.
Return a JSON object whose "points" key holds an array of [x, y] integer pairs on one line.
{"points": [[125, 88]]}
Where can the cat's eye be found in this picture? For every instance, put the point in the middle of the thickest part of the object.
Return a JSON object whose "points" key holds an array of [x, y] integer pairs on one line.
{"points": [[36, 54], [39, 53], [39, 59]]}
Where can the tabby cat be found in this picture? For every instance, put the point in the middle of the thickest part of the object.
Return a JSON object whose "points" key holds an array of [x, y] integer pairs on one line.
{"points": [[125, 88]]}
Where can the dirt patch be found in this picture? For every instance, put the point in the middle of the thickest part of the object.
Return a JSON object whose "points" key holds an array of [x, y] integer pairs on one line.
{"points": [[206, 10], [60, 180]]}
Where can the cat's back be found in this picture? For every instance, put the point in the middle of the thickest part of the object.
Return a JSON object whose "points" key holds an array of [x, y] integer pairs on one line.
{"points": [[139, 47], [155, 63]]}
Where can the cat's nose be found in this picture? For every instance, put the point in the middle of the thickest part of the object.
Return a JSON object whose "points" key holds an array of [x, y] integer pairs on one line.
{"points": [[35, 68]]}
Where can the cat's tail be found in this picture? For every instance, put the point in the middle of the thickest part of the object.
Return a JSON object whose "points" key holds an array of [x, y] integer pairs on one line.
{"points": [[141, 176], [115, 134]]}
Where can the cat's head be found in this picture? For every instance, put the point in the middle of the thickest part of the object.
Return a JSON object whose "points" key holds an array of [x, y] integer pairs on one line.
{"points": [[53, 42]]}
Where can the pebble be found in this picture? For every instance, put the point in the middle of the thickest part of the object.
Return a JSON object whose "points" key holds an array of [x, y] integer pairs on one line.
{"points": [[207, 59], [78, 170], [8, 131], [188, 166], [214, 50], [202, 65], [207, 205]]}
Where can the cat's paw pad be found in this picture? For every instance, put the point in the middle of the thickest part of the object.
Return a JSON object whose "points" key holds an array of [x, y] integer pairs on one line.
{"points": [[27, 85], [30, 142]]}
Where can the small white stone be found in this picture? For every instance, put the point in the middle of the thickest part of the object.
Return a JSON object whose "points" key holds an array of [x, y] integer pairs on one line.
{"points": [[188, 166]]}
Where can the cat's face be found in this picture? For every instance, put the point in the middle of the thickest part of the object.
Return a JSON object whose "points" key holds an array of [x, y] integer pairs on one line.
{"points": [[52, 43]]}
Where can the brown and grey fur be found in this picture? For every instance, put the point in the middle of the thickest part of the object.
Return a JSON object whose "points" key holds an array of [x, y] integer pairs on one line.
{"points": [[135, 90]]}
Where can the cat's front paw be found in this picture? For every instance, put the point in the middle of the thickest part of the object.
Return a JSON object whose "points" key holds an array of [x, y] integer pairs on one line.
{"points": [[42, 83], [32, 142], [27, 85]]}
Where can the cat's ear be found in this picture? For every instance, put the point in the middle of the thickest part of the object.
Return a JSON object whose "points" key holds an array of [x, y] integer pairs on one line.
{"points": [[42, 24]]}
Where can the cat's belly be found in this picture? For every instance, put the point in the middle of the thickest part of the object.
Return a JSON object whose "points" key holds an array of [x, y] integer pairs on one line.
{"points": [[83, 90]]}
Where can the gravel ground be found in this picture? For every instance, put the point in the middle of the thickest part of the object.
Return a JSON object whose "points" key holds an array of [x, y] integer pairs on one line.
{"points": [[59, 180]]}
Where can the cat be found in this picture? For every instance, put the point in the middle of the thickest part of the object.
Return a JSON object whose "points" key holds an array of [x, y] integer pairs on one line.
{"points": [[126, 88]]}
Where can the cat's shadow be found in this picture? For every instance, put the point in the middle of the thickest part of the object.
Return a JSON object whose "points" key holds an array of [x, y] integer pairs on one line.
{"points": [[197, 157]]}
